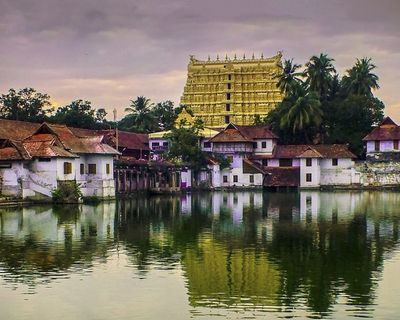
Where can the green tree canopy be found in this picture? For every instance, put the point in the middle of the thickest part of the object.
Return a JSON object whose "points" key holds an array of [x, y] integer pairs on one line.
{"points": [[25, 105], [184, 146], [81, 114], [319, 73], [360, 80], [141, 117], [327, 108], [289, 76]]}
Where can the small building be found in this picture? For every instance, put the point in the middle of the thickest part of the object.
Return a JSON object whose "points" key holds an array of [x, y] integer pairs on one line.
{"points": [[238, 144], [382, 143], [309, 166], [36, 158]]}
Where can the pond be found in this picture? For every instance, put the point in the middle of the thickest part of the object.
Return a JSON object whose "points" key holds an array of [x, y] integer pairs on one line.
{"points": [[233, 255]]}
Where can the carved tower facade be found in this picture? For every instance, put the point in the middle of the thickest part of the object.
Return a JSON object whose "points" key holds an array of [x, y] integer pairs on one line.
{"points": [[232, 90]]}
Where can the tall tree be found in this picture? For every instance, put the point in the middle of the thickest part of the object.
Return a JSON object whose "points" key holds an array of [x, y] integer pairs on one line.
{"points": [[289, 76], [319, 73], [26, 105], [166, 114], [81, 114], [184, 145], [140, 115], [349, 120], [360, 80], [303, 112]]}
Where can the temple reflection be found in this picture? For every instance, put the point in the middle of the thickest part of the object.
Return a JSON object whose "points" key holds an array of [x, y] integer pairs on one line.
{"points": [[236, 249]]}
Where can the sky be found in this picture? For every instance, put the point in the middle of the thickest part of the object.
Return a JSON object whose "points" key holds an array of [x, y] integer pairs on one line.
{"points": [[111, 51]]}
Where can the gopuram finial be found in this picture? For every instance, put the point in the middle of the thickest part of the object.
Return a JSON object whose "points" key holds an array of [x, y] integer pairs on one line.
{"points": [[209, 58], [235, 57], [226, 57], [217, 57], [252, 56], [244, 56], [262, 55]]}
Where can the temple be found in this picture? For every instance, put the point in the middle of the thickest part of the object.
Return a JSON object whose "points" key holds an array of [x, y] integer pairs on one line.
{"points": [[232, 90]]}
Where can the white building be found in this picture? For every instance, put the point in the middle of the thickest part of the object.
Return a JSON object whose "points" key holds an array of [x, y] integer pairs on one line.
{"points": [[45, 156], [238, 144]]}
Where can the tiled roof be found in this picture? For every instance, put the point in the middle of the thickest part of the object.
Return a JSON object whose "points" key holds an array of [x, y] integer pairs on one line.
{"points": [[129, 140], [236, 133], [313, 151], [9, 154], [12, 150], [257, 132], [333, 151], [251, 167], [387, 130], [230, 135], [289, 151], [16, 130]]}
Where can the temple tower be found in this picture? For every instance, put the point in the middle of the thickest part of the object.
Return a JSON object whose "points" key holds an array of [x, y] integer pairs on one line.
{"points": [[232, 90]]}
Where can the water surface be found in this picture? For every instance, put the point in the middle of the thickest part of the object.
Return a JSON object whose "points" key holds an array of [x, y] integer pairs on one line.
{"points": [[243, 255]]}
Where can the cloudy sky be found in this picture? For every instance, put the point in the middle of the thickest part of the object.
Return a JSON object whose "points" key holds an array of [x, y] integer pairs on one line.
{"points": [[110, 51]]}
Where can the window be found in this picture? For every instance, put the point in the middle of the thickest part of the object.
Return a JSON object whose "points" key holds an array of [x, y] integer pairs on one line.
{"points": [[264, 144], [255, 145], [228, 107], [92, 168], [228, 96], [229, 86], [251, 178], [265, 162], [107, 168], [396, 145], [67, 167], [225, 179], [377, 146], [207, 144], [334, 162], [155, 144], [285, 162], [44, 159], [308, 177], [227, 119], [235, 178], [165, 144], [308, 162], [82, 168], [229, 77]]}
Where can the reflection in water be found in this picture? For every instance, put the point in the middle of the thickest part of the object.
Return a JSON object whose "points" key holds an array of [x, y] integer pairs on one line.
{"points": [[294, 254]]}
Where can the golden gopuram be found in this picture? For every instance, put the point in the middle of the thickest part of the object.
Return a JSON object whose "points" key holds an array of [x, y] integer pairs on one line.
{"points": [[232, 90]]}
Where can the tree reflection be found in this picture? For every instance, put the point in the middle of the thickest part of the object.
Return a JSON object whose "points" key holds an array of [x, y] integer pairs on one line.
{"points": [[236, 249]]}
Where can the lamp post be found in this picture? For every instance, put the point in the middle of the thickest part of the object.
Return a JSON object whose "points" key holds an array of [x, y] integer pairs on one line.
{"points": [[116, 130]]}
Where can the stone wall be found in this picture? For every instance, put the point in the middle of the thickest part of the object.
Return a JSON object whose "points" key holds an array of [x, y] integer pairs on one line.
{"points": [[379, 174]]}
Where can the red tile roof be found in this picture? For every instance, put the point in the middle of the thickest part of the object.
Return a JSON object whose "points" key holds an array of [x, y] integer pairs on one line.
{"points": [[129, 140], [236, 133], [257, 132], [9, 154], [387, 130], [313, 151], [333, 151], [289, 151], [16, 130]]}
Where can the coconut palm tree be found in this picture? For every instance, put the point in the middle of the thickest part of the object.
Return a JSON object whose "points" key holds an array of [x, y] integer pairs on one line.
{"points": [[304, 111], [360, 80], [142, 116], [288, 76], [319, 73]]}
